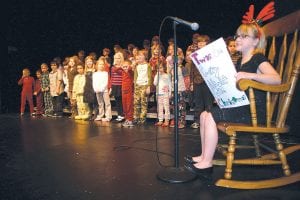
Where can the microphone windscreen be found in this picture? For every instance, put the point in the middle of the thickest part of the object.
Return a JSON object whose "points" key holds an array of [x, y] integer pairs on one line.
{"points": [[195, 26]]}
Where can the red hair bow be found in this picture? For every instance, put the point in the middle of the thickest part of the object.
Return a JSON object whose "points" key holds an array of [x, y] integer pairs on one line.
{"points": [[265, 14]]}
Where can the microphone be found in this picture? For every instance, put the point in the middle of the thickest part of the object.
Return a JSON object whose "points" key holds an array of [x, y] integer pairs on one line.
{"points": [[193, 25]]}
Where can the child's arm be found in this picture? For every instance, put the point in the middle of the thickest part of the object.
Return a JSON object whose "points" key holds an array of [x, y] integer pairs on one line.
{"points": [[75, 87], [32, 83], [20, 82], [149, 75], [155, 81], [170, 85], [135, 74], [59, 81], [37, 87]]}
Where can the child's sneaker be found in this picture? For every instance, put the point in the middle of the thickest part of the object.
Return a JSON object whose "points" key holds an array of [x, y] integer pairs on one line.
{"points": [[127, 124], [195, 125], [119, 118], [77, 117], [135, 121], [142, 121], [181, 125]]}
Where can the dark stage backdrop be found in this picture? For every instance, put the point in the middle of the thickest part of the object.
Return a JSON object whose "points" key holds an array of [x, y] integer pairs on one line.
{"points": [[40, 30]]}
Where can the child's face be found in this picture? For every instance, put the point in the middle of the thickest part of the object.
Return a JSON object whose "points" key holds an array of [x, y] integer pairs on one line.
{"points": [[38, 75], [245, 41], [25, 73], [201, 44], [187, 56], [44, 68], [81, 54], [80, 69], [156, 51], [141, 57], [71, 62], [161, 69], [125, 66], [54, 67], [89, 63], [117, 59], [135, 51], [180, 61], [154, 42], [171, 50], [100, 66], [231, 47], [105, 53]]}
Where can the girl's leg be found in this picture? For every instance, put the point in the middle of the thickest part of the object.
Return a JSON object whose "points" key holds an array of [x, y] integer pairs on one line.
{"points": [[166, 103], [210, 140], [107, 105], [137, 103], [23, 102], [144, 104], [160, 111], [202, 125], [100, 104], [30, 102]]}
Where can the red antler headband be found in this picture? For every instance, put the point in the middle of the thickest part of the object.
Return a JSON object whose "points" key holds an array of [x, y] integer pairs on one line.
{"points": [[265, 14]]}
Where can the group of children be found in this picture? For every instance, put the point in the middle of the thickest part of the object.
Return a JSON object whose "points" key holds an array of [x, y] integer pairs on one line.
{"points": [[86, 84]]}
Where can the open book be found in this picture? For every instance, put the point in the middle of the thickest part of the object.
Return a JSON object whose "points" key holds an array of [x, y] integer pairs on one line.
{"points": [[216, 67]]}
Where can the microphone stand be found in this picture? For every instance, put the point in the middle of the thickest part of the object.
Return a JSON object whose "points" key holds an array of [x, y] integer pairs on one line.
{"points": [[175, 174]]}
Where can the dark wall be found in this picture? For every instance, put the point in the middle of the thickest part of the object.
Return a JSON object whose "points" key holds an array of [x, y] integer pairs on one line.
{"points": [[41, 30]]}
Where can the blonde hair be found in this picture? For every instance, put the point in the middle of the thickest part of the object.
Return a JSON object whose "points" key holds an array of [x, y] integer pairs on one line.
{"points": [[121, 55], [144, 52], [254, 30], [85, 63], [127, 61], [26, 71], [44, 65], [203, 38], [101, 59]]}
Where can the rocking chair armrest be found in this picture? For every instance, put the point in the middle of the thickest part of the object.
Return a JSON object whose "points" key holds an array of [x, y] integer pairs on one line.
{"points": [[232, 128], [244, 84]]}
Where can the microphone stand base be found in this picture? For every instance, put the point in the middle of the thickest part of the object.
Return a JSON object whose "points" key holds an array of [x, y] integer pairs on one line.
{"points": [[175, 175]]}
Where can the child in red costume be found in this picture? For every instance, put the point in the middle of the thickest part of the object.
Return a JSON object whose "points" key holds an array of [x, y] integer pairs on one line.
{"points": [[127, 91], [27, 83]]}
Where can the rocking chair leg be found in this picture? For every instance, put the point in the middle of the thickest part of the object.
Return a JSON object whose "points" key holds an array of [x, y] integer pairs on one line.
{"points": [[281, 154], [230, 156]]}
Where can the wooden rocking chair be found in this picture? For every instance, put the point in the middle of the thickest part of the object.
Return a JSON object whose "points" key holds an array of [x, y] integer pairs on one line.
{"points": [[278, 98]]}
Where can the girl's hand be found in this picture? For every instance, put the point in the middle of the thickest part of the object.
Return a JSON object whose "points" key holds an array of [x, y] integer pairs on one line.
{"points": [[147, 91], [244, 75], [73, 102]]}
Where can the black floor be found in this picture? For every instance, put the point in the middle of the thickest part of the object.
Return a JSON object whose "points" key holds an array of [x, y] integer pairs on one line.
{"points": [[46, 158]]}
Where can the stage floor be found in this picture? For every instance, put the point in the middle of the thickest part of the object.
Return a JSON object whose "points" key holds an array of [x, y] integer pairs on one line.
{"points": [[53, 159]]}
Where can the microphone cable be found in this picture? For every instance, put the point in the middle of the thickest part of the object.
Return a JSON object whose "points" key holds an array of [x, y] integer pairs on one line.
{"points": [[158, 77]]}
